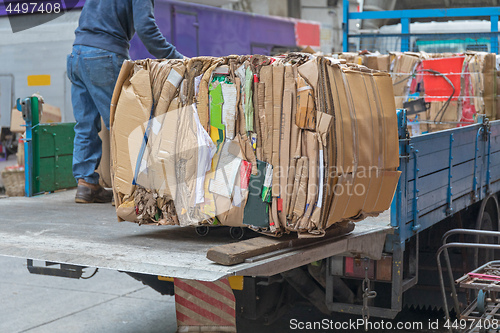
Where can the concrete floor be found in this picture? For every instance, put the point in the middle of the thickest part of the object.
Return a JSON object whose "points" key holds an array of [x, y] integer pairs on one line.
{"points": [[113, 302], [108, 302]]}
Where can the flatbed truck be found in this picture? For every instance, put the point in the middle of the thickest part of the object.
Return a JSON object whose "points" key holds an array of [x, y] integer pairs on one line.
{"points": [[448, 179]]}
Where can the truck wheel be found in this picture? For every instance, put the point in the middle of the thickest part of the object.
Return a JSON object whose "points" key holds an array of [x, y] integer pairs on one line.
{"points": [[237, 232], [487, 220], [483, 256], [202, 230]]}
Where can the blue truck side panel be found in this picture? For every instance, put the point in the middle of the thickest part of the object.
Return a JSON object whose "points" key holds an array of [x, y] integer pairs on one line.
{"points": [[443, 173]]}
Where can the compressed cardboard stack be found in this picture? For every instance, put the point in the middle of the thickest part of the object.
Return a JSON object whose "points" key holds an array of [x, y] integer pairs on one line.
{"points": [[480, 83], [473, 76], [351, 57], [288, 144], [402, 69], [381, 62]]}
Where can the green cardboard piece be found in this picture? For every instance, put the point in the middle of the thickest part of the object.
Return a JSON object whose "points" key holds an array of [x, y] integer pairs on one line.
{"points": [[256, 211], [248, 109], [216, 101]]}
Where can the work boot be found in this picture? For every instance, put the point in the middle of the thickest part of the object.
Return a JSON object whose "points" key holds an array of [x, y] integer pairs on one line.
{"points": [[90, 193]]}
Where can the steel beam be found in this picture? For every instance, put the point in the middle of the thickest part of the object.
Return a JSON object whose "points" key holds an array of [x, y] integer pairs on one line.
{"points": [[345, 26], [494, 28], [426, 13]]}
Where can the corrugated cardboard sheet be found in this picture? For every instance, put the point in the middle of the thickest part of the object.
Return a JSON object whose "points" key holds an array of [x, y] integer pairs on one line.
{"points": [[287, 144], [473, 74], [49, 114]]}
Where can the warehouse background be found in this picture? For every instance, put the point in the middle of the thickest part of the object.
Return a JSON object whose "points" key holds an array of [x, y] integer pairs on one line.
{"points": [[329, 13], [23, 54]]}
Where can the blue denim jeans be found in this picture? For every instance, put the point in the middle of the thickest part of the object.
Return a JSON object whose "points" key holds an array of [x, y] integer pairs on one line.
{"points": [[93, 73]]}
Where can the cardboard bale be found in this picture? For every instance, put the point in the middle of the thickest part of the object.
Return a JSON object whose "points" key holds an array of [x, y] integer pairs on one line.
{"points": [[497, 115], [370, 61], [489, 95], [481, 69], [443, 117], [318, 124], [474, 75], [354, 155], [352, 57], [379, 62], [403, 67]]}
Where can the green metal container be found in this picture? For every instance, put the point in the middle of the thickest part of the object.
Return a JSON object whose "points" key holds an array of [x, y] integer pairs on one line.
{"points": [[48, 151], [53, 157]]}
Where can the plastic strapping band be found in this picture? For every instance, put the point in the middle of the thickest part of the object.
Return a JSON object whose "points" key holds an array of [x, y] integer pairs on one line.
{"points": [[304, 88], [144, 144], [332, 207]]}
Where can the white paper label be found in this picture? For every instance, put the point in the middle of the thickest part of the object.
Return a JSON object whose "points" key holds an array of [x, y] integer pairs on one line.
{"points": [[174, 78], [228, 167], [269, 176], [143, 167], [229, 108], [197, 81], [237, 197]]}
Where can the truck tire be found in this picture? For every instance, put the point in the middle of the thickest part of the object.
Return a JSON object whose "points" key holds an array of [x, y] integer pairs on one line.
{"points": [[487, 219], [237, 232], [202, 230]]}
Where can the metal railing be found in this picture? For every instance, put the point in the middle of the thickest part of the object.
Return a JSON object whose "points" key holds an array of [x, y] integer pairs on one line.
{"points": [[406, 38], [459, 245], [430, 43]]}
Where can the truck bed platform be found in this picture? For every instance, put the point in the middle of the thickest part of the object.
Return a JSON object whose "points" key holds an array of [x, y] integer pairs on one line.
{"points": [[52, 227]]}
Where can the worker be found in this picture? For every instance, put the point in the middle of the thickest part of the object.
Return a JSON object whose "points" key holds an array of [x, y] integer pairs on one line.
{"points": [[102, 42]]}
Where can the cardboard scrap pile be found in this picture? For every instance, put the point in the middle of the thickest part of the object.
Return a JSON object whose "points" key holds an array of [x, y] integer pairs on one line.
{"points": [[415, 75], [381, 62], [287, 144]]}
